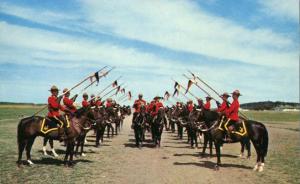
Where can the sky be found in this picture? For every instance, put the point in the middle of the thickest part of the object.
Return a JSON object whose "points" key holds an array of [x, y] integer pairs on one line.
{"points": [[250, 45]]}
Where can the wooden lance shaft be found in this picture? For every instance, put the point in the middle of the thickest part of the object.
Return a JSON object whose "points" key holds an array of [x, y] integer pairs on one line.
{"points": [[108, 86], [105, 73], [115, 94], [185, 89], [78, 84], [111, 91], [200, 87], [215, 92]]}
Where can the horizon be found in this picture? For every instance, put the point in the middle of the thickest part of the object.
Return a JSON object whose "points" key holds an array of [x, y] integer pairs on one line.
{"points": [[252, 46]]}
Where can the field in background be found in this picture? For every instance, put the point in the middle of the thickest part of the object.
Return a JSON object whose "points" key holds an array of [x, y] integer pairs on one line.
{"points": [[104, 164]]}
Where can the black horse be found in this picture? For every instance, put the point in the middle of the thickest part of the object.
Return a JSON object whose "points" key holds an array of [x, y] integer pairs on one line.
{"points": [[138, 126], [252, 130], [158, 126]]}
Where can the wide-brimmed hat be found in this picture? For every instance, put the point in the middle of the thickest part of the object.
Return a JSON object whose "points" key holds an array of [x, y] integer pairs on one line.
{"points": [[236, 92], [54, 88], [65, 90], [85, 94], [140, 95], [225, 95], [208, 97], [157, 97]]}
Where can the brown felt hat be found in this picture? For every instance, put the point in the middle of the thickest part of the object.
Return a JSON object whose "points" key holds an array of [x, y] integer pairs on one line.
{"points": [[225, 95], [85, 94], [54, 88], [236, 92], [65, 90]]}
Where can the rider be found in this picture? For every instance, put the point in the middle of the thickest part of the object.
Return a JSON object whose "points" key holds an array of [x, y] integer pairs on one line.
{"points": [[137, 106], [225, 104], [98, 102], [85, 102], [108, 102], [69, 103], [207, 104], [93, 101], [54, 107], [232, 114], [190, 105], [156, 106]]}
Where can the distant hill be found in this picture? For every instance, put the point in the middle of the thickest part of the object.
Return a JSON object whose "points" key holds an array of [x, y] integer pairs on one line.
{"points": [[269, 105]]}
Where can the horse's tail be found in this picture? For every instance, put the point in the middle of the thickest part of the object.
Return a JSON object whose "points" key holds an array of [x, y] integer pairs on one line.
{"points": [[21, 127], [265, 141]]}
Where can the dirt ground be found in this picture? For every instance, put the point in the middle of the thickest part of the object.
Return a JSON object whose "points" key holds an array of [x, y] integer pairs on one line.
{"points": [[119, 161]]}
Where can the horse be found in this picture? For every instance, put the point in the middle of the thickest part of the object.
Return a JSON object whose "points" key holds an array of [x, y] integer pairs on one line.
{"points": [[30, 127], [158, 126], [100, 124], [138, 126], [252, 130]]}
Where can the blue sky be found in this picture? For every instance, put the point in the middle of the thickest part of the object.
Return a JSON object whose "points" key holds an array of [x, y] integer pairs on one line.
{"points": [[250, 45]]}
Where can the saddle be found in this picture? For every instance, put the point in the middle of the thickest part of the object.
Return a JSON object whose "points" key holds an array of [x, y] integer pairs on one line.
{"points": [[49, 125], [238, 127]]}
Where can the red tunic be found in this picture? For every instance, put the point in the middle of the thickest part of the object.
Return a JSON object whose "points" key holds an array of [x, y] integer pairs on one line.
{"points": [[157, 106], [190, 107], [138, 103], [150, 106], [207, 105], [108, 104], [233, 110], [223, 107], [85, 103], [54, 107], [69, 104], [98, 103]]}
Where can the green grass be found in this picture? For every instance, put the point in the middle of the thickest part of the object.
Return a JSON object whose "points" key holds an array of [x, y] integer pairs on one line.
{"points": [[273, 116], [17, 111]]}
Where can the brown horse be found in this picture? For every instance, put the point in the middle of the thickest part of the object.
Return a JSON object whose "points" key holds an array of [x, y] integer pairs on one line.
{"points": [[29, 128]]}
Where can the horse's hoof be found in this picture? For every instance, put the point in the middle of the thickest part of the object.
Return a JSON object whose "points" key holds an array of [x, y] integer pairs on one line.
{"points": [[217, 167], [30, 162], [255, 167]]}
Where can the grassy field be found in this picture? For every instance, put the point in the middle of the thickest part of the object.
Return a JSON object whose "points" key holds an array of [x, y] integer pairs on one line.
{"points": [[282, 163]]}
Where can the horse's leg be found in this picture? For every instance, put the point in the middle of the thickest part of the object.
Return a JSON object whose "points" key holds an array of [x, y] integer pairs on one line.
{"points": [[28, 149], [136, 135], [192, 139], [242, 148], [82, 145], [108, 129], [218, 153], [196, 138], [204, 144], [211, 146], [78, 141], [44, 145], [67, 153], [52, 148], [97, 137], [21, 147], [256, 146], [71, 163], [248, 146]]}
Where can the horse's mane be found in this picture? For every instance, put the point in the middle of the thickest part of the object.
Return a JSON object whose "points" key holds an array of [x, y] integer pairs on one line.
{"points": [[80, 112]]}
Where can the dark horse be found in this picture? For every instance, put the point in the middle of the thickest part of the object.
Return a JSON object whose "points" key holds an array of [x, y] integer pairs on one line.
{"points": [[158, 126], [29, 128], [138, 126], [254, 131]]}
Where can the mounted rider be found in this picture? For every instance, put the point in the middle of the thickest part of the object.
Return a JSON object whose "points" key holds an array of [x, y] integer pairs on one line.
{"points": [[98, 102], [85, 102], [108, 103], [225, 104], [190, 105], [53, 110], [232, 114], [69, 102], [207, 104], [137, 106], [93, 101]]}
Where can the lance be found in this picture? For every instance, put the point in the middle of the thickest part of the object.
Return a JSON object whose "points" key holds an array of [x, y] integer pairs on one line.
{"points": [[111, 91], [200, 87], [104, 74], [122, 97], [78, 84], [108, 86], [115, 94], [185, 89], [214, 91]]}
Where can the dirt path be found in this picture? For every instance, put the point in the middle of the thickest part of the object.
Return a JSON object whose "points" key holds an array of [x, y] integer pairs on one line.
{"points": [[175, 162]]}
